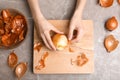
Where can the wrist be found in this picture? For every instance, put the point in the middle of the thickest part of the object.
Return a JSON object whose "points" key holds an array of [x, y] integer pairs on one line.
{"points": [[77, 14], [38, 17]]}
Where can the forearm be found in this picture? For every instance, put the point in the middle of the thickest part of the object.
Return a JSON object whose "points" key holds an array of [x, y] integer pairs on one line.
{"points": [[35, 10], [79, 7]]}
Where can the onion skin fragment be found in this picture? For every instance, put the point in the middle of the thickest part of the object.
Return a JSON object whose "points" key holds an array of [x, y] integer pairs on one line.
{"points": [[110, 43]]}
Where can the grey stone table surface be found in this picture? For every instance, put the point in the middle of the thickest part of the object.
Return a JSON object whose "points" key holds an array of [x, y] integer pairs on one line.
{"points": [[107, 66]]}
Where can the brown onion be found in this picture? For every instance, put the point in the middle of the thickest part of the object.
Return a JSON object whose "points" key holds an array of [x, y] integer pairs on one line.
{"points": [[110, 43], [106, 3], [111, 23], [21, 69], [12, 60], [60, 41]]}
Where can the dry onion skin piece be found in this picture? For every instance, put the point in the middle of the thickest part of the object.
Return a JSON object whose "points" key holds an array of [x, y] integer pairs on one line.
{"points": [[70, 49], [41, 63], [6, 15], [111, 23], [9, 39], [106, 3], [110, 43], [12, 59], [37, 46], [1, 28], [80, 60], [60, 41], [18, 24], [20, 70]]}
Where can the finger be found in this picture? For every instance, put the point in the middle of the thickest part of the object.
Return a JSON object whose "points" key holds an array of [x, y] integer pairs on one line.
{"points": [[47, 35], [79, 35], [70, 35], [57, 31], [45, 41]]}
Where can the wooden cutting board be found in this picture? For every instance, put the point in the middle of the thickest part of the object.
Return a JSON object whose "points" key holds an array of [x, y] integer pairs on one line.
{"points": [[59, 62]]}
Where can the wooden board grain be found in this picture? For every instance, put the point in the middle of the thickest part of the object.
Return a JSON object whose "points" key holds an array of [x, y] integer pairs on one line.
{"points": [[59, 62]]}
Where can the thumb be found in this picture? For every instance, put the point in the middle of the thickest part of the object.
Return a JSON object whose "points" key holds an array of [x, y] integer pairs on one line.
{"points": [[70, 35], [57, 31]]}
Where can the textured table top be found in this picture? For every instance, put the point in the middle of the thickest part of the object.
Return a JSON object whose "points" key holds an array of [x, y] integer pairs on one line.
{"points": [[107, 65]]}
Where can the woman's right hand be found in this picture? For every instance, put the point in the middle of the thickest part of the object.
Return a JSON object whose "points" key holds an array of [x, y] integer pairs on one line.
{"points": [[44, 28]]}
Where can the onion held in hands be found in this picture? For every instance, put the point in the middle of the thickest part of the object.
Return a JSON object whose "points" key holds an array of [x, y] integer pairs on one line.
{"points": [[60, 41], [111, 23]]}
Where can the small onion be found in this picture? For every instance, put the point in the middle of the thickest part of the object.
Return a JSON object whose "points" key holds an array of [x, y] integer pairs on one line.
{"points": [[21, 69], [60, 41], [110, 43], [106, 3], [111, 23], [12, 60]]}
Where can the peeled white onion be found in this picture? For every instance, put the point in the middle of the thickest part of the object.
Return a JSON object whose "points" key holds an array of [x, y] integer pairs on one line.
{"points": [[60, 41]]}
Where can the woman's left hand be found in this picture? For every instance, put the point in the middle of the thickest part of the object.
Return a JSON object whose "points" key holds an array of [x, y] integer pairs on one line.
{"points": [[76, 24]]}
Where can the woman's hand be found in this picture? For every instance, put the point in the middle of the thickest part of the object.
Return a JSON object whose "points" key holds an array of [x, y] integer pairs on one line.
{"points": [[44, 28], [76, 24], [42, 25]]}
